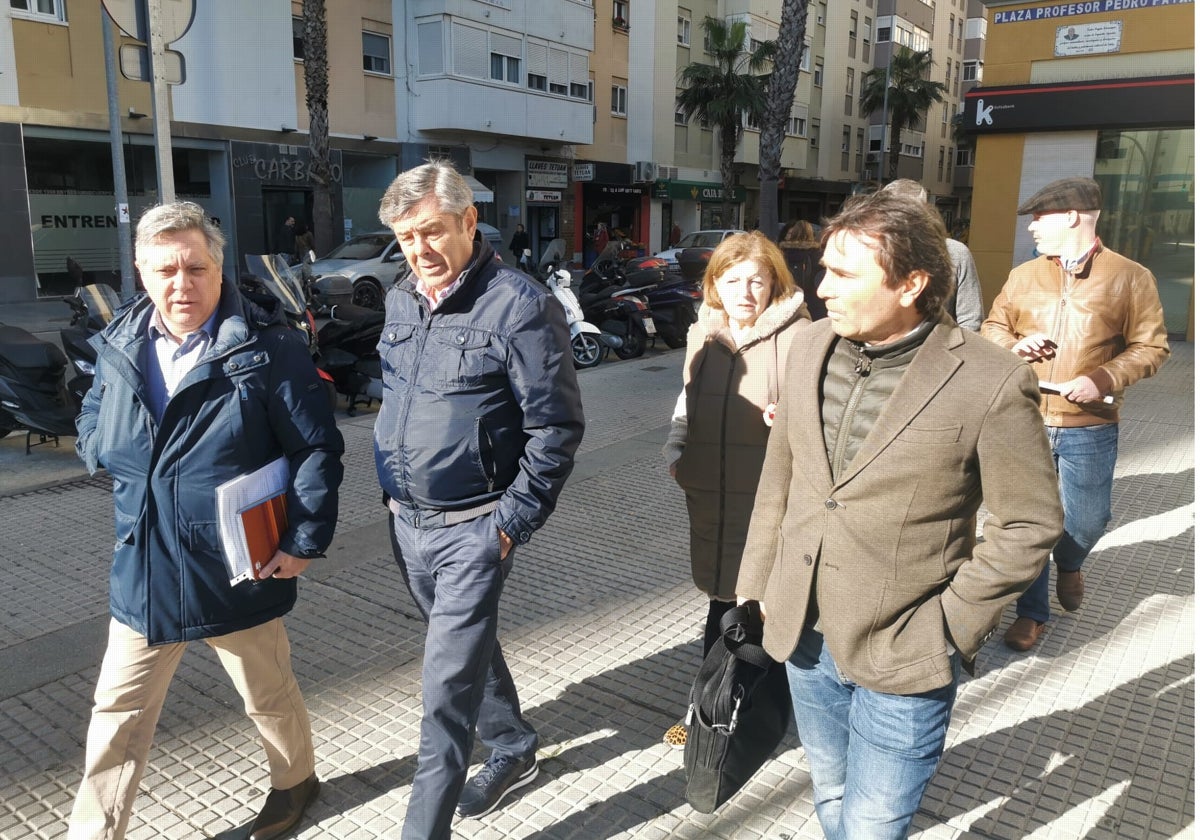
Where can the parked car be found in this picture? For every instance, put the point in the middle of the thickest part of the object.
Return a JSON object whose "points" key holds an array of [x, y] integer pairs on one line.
{"points": [[371, 261], [695, 239]]}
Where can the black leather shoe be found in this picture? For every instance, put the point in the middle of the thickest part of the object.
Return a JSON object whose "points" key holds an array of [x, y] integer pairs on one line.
{"points": [[283, 809]]}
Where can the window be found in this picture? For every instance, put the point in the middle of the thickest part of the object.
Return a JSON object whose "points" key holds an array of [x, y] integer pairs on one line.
{"points": [[814, 139], [619, 94], [620, 14], [298, 38], [54, 9], [820, 14], [581, 91], [950, 34], [849, 110], [941, 161], [749, 122], [683, 31], [960, 30], [806, 59], [884, 34], [866, 41], [680, 119], [755, 44], [505, 68], [796, 126], [964, 157], [972, 71], [377, 53], [819, 74], [957, 70], [845, 138], [536, 81]]}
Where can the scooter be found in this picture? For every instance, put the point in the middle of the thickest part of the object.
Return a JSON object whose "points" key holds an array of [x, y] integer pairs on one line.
{"points": [[673, 305], [270, 277], [92, 307], [619, 311], [588, 342], [349, 347], [32, 394]]}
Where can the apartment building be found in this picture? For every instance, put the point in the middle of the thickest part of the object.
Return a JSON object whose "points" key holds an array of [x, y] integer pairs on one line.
{"points": [[237, 124]]}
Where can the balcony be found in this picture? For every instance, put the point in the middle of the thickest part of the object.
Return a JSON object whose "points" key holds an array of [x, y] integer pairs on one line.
{"points": [[455, 104]]}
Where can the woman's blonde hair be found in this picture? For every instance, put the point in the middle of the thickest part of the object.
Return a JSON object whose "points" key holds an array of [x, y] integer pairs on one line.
{"points": [[748, 246]]}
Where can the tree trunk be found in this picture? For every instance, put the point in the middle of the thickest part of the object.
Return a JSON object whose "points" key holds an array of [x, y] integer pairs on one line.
{"points": [[729, 139], [894, 151], [781, 91], [316, 99]]}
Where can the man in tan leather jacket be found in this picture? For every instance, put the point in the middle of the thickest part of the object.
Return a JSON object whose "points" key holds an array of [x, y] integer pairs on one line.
{"points": [[1090, 323], [893, 425]]}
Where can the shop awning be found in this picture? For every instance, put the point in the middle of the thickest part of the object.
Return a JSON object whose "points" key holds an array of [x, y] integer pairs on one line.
{"points": [[481, 193]]}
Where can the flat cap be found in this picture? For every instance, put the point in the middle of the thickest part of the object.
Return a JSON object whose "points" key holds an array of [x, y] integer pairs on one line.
{"points": [[1063, 195]]}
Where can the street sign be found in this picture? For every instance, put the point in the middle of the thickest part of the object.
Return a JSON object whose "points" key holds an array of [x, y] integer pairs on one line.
{"points": [[131, 16], [135, 64]]}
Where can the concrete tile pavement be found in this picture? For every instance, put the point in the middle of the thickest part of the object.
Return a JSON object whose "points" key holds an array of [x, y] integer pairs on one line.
{"points": [[1091, 735]]}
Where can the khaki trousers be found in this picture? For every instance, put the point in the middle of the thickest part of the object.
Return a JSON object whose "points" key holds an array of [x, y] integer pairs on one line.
{"points": [[133, 683]]}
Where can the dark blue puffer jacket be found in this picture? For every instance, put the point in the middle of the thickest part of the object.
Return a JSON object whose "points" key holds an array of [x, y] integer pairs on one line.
{"points": [[480, 400], [253, 397]]}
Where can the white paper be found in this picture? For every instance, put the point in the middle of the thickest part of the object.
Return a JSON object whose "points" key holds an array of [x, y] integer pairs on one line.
{"points": [[240, 494]]}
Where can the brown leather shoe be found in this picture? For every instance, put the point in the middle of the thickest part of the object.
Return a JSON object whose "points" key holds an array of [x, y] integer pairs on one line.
{"points": [[1023, 634], [1070, 590], [283, 809]]}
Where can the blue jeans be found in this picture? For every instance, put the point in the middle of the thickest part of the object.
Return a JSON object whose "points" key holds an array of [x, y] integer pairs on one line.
{"points": [[871, 755], [1085, 459], [456, 576]]}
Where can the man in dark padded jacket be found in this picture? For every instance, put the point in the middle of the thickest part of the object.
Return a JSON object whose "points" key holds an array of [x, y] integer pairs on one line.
{"points": [[476, 436]]}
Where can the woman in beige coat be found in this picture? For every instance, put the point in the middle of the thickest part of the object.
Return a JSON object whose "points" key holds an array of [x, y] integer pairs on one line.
{"points": [[731, 374]]}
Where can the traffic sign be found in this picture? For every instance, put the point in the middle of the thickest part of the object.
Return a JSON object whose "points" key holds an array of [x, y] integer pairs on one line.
{"points": [[135, 64], [131, 16]]}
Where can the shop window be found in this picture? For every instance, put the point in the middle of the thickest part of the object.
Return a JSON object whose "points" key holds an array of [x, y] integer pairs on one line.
{"points": [[53, 9], [377, 53]]}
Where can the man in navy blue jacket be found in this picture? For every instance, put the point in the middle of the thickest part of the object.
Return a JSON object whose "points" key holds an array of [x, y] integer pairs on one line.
{"points": [[195, 385], [476, 436]]}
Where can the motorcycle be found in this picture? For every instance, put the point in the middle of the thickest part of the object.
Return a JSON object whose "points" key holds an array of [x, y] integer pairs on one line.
{"points": [[618, 311], [349, 347], [588, 342], [673, 305]]}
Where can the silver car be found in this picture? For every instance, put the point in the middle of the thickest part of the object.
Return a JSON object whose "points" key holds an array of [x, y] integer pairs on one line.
{"points": [[372, 260], [695, 239]]}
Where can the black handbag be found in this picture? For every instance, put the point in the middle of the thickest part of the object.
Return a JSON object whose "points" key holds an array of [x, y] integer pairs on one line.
{"points": [[738, 711]]}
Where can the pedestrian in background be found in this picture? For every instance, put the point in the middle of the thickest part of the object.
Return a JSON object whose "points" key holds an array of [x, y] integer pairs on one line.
{"points": [[803, 254], [475, 438], [893, 426], [285, 241], [1089, 322], [519, 243], [965, 303], [195, 385], [304, 241], [732, 371]]}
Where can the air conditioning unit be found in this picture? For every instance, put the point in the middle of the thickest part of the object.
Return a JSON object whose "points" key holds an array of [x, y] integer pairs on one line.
{"points": [[645, 171]]}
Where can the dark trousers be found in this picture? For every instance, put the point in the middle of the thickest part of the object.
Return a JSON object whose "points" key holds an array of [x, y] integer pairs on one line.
{"points": [[456, 576], [712, 624]]}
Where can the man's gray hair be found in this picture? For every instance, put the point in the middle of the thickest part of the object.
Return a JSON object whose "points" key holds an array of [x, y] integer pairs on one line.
{"points": [[178, 217], [437, 178], [909, 189]]}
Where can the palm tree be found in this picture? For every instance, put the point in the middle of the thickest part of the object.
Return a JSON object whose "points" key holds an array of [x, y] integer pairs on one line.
{"points": [[724, 93], [316, 100], [908, 92], [781, 91]]}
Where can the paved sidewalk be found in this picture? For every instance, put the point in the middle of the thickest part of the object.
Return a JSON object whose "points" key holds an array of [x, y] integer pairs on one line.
{"points": [[1090, 736]]}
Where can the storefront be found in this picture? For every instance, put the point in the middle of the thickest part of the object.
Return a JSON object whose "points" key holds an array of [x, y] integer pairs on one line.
{"points": [[72, 203], [695, 205], [1104, 90], [606, 194], [546, 183]]}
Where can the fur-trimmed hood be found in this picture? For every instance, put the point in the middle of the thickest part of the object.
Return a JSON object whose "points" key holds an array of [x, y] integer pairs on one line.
{"points": [[714, 323]]}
